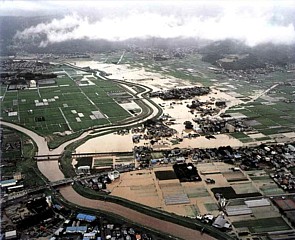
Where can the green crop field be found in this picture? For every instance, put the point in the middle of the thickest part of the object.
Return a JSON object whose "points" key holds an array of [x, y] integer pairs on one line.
{"points": [[65, 105], [103, 162], [263, 225]]}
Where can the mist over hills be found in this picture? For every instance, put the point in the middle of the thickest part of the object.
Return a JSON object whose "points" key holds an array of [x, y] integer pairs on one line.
{"points": [[35, 34], [245, 57]]}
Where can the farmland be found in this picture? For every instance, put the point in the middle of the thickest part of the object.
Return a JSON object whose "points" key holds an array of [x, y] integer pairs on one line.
{"points": [[77, 101], [263, 225]]}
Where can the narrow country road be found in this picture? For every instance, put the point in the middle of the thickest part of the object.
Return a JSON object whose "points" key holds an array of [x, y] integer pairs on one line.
{"points": [[137, 217], [263, 93]]}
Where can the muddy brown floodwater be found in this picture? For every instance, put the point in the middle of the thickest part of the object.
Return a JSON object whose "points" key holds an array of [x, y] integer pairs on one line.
{"points": [[51, 170], [160, 225]]}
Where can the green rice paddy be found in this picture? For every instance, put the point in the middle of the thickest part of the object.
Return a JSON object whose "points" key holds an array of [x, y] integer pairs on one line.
{"points": [[263, 225], [64, 106]]}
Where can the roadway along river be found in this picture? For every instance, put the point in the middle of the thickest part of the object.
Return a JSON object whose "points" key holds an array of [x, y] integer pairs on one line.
{"points": [[163, 226]]}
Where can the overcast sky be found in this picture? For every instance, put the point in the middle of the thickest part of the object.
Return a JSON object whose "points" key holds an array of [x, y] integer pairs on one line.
{"points": [[252, 21]]}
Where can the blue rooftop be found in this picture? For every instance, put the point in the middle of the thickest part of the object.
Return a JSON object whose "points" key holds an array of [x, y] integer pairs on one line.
{"points": [[85, 217], [4, 182], [81, 229]]}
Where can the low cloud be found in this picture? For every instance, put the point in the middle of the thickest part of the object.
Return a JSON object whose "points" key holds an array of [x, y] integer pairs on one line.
{"points": [[251, 27]]}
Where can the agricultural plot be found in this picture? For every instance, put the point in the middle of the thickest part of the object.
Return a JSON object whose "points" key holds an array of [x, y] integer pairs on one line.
{"points": [[196, 192], [244, 188], [263, 225], [103, 162], [269, 120], [191, 210], [211, 207], [66, 106], [165, 175], [229, 193], [265, 184], [234, 176]]}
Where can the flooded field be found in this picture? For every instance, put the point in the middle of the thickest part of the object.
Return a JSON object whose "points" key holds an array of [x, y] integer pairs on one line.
{"points": [[177, 110], [123, 143], [125, 72]]}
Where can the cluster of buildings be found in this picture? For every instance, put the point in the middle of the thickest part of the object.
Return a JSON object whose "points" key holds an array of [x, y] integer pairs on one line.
{"points": [[159, 54], [156, 129], [19, 66], [153, 130], [250, 75], [23, 217], [40, 217], [219, 222], [284, 163], [181, 93], [206, 108], [87, 227], [21, 74], [220, 125], [97, 183], [143, 155]]}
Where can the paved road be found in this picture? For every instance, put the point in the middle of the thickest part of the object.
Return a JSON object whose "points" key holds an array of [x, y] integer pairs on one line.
{"points": [[163, 226]]}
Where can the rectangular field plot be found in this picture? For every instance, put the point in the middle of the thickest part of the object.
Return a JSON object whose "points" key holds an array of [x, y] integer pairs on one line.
{"points": [[244, 188], [285, 204], [144, 190], [102, 162], [229, 193], [165, 175], [263, 225], [234, 176], [211, 207], [265, 212], [172, 188], [195, 192]]}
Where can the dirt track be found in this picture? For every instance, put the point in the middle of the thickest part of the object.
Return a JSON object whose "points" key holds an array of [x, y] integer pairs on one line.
{"points": [[170, 228]]}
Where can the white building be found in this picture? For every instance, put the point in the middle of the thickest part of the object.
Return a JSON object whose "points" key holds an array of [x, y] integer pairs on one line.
{"points": [[33, 84]]}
